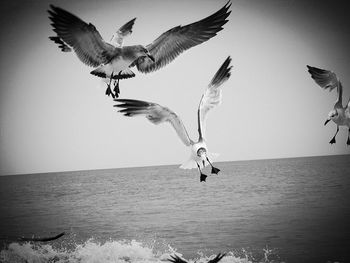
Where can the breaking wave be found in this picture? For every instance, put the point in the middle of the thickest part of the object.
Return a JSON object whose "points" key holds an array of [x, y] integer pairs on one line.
{"points": [[110, 251]]}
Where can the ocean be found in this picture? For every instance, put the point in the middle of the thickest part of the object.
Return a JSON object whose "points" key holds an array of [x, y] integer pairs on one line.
{"points": [[279, 210]]}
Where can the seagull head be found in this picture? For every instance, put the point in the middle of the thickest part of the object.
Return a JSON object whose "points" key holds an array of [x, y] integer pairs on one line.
{"points": [[202, 154], [141, 51], [331, 116]]}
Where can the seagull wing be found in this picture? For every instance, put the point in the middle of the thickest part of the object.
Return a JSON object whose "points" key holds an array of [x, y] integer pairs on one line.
{"points": [[63, 46], [217, 258], [86, 41], [43, 239], [124, 31], [327, 79], [156, 114], [177, 259], [212, 95], [178, 39]]}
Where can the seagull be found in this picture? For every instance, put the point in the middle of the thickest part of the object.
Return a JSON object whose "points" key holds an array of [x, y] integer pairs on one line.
{"points": [[177, 259], [159, 114], [114, 60], [340, 115], [117, 41]]}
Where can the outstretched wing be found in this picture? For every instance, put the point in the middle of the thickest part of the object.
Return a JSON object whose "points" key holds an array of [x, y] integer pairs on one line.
{"points": [[154, 113], [85, 40], [41, 239], [124, 31], [217, 258], [63, 46], [178, 39], [212, 95], [177, 259], [327, 79]]}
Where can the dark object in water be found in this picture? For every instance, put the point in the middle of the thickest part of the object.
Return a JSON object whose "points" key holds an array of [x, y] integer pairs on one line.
{"points": [[177, 259], [43, 239], [217, 258]]}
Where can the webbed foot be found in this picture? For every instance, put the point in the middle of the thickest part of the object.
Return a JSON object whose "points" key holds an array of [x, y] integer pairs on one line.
{"points": [[203, 177], [215, 170]]}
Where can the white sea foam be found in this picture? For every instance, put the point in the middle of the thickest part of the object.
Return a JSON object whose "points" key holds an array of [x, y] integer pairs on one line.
{"points": [[107, 252]]}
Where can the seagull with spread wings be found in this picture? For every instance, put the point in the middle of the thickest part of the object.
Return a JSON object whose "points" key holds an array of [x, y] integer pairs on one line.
{"points": [[340, 115], [177, 259], [159, 114], [117, 41], [113, 60]]}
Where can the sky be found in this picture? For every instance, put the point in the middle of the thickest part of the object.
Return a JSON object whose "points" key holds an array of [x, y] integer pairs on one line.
{"points": [[54, 115]]}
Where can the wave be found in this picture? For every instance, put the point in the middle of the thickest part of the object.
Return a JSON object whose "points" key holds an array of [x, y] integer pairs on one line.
{"points": [[110, 251]]}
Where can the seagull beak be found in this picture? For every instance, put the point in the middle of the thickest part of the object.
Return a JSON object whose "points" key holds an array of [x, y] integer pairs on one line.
{"points": [[151, 57], [325, 123]]}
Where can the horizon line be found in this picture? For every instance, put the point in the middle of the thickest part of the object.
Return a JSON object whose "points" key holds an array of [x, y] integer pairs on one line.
{"points": [[148, 166]]}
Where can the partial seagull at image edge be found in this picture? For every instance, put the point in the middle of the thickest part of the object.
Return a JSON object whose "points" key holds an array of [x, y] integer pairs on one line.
{"points": [[200, 156], [113, 60], [340, 115]]}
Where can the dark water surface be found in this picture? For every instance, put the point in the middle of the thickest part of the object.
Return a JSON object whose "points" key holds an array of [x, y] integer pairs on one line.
{"points": [[282, 210]]}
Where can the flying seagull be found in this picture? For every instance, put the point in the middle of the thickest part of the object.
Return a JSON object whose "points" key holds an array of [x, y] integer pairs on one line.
{"points": [[159, 114], [177, 259], [339, 115], [113, 60]]}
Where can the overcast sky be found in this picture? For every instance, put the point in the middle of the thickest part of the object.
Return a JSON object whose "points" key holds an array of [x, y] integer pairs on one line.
{"points": [[54, 115]]}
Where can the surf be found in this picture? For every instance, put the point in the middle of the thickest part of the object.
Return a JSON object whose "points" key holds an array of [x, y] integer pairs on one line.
{"points": [[114, 251]]}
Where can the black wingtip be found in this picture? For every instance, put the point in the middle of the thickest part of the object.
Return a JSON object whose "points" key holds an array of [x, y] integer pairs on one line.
{"points": [[172, 259], [223, 73], [217, 258], [176, 259], [52, 7], [315, 70], [61, 44], [228, 4], [131, 107], [128, 25], [45, 239], [53, 10]]}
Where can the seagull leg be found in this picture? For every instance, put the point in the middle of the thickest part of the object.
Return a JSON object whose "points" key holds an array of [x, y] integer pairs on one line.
{"points": [[202, 176], [348, 141], [116, 85], [108, 90], [333, 139], [214, 170]]}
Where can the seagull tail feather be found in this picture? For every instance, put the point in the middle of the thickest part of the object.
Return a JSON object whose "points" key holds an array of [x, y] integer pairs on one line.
{"points": [[103, 72], [189, 164]]}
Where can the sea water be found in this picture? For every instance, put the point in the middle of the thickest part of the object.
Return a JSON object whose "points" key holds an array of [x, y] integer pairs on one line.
{"points": [[280, 210]]}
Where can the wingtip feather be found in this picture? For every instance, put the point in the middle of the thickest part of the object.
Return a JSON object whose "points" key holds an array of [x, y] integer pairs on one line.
{"points": [[223, 73]]}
